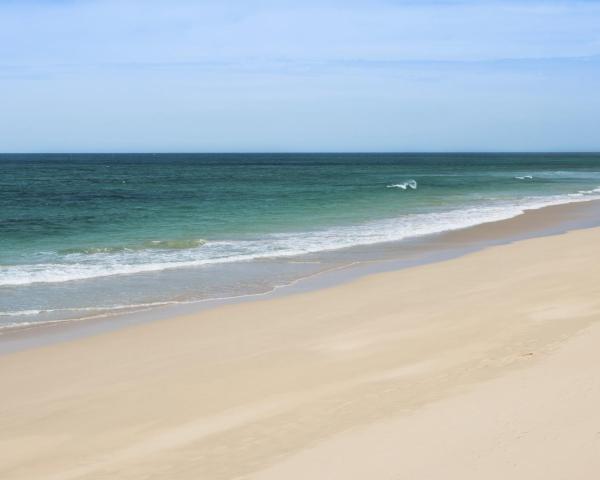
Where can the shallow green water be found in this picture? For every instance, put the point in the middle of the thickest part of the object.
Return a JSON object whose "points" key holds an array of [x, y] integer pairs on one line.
{"points": [[78, 232]]}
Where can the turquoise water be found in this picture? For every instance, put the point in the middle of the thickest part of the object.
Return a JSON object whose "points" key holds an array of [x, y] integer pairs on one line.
{"points": [[82, 234]]}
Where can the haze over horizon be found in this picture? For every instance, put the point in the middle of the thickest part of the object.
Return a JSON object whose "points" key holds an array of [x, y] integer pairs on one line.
{"points": [[289, 76]]}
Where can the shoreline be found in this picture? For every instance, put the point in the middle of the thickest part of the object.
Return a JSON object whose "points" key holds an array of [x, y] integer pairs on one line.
{"points": [[397, 255], [282, 387]]}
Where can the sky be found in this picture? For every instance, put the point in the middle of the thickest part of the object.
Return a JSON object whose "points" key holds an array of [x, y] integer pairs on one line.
{"points": [[299, 75]]}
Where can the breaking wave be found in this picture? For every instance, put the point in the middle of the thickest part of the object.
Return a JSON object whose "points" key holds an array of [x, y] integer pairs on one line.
{"points": [[412, 184]]}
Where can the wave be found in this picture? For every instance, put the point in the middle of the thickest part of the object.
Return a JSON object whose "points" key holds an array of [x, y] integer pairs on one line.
{"points": [[175, 244], [100, 308], [86, 266], [412, 184], [24, 313], [148, 245], [587, 192], [525, 177]]}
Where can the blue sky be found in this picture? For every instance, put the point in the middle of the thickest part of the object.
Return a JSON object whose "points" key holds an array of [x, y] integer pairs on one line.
{"points": [[260, 75]]}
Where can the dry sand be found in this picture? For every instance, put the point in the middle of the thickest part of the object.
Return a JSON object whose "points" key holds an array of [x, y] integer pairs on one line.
{"points": [[482, 367]]}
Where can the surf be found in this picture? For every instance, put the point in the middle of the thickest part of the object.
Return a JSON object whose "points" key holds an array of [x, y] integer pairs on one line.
{"points": [[412, 184]]}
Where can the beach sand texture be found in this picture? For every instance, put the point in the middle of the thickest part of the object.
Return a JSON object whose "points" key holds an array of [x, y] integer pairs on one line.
{"points": [[482, 367]]}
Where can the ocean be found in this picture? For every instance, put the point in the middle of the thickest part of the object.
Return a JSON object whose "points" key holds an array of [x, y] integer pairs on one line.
{"points": [[93, 235]]}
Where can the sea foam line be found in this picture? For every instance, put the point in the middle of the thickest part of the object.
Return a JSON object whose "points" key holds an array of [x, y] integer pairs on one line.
{"points": [[112, 311]]}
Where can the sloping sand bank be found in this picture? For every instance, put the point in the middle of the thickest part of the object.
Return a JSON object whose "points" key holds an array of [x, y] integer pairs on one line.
{"points": [[486, 366]]}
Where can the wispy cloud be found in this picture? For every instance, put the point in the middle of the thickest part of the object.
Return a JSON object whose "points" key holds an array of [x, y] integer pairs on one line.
{"points": [[186, 31], [384, 74]]}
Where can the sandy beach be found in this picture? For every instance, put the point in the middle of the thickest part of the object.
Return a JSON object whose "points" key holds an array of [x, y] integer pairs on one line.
{"points": [[286, 240], [479, 367]]}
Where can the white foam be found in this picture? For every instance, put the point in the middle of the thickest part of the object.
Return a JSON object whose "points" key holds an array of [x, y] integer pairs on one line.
{"points": [[26, 313], [412, 184], [23, 313]]}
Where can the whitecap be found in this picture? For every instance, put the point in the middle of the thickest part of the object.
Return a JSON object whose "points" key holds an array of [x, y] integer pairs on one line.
{"points": [[412, 184]]}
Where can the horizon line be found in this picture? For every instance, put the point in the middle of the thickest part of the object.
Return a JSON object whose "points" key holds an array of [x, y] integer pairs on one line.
{"points": [[310, 152]]}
